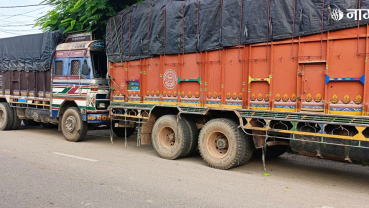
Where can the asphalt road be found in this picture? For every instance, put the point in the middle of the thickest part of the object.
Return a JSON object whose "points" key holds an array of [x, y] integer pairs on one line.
{"points": [[38, 168]]}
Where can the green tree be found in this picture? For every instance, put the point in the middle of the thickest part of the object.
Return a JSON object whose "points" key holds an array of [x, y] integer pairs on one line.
{"points": [[75, 15]]}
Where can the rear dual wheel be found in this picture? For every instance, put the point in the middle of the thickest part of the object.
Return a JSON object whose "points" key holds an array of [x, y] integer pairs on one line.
{"points": [[223, 145], [6, 117], [174, 139]]}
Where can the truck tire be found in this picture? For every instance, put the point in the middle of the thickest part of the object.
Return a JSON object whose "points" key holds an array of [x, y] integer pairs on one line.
{"points": [[120, 131], [6, 117], [223, 145], [49, 126], [272, 152], [171, 139], [31, 123], [194, 135], [16, 121], [73, 127]]}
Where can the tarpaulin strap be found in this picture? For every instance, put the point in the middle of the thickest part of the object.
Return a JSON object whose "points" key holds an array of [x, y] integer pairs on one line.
{"points": [[220, 30], [116, 36], [197, 32], [129, 39], [358, 32], [148, 30], [269, 23], [220, 25], [165, 29], [183, 28], [122, 42], [111, 39], [198, 20], [239, 38], [301, 22], [269, 27]]}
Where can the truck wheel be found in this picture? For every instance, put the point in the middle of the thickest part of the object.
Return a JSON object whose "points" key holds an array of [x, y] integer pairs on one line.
{"points": [[223, 145], [120, 132], [31, 123], [272, 152], [170, 139], [6, 117], [194, 136], [73, 128], [16, 121], [49, 126]]}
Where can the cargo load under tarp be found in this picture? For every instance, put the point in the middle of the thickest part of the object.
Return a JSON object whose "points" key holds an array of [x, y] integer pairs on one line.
{"points": [[29, 52], [157, 27]]}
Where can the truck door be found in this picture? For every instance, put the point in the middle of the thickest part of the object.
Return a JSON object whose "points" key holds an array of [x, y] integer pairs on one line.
{"points": [[313, 87]]}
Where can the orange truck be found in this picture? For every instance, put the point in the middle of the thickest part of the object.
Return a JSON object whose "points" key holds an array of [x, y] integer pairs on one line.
{"points": [[234, 78]]}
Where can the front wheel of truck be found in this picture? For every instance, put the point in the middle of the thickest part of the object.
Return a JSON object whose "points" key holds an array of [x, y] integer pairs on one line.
{"points": [[6, 117], [73, 127]]}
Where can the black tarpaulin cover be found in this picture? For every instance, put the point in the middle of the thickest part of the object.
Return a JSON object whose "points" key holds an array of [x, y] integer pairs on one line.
{"points": [[29, 52], [157, 27]]}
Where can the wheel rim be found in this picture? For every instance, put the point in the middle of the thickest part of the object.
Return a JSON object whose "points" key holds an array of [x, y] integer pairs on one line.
{"points": [[2, 117], [167, 137], [217, 144], [70, 124]]}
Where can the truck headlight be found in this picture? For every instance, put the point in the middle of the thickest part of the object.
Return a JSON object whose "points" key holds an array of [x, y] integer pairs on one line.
{"points": [[101, 105]]}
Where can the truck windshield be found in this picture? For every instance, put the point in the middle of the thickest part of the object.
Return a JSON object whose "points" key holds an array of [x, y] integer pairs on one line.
{"points": [[99, 64]]}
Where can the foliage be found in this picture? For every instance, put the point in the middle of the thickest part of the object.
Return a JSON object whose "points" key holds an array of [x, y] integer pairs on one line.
{"points": [[75, 15]]}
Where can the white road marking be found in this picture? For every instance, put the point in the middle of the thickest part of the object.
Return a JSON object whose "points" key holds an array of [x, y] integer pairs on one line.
{"points": [[72, 156]]}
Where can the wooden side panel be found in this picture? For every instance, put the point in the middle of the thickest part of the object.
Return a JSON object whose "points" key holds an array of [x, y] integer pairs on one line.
{"points": [[188, 78], [346, 96], [133, 81], [260, 77], [118, 74], [313, 87], [213, 83], [233, 79], [284, 94], [169, 73], [151, 79]]}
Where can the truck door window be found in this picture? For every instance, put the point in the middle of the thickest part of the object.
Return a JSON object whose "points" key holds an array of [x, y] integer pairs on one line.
{"points": [[58, 68], [99, 64], [75, 67]]}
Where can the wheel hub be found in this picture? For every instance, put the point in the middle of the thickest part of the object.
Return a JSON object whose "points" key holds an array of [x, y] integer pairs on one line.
{"points": [[217, 145], [171, 137], [222, 143], [70, 124], [167, 137]]}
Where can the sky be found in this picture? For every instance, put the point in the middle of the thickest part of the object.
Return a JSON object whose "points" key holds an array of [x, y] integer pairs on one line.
{"points": [[20, 21]]}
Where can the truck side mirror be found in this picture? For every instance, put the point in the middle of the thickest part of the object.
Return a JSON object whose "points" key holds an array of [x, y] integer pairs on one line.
{"points": [[85, 70]]}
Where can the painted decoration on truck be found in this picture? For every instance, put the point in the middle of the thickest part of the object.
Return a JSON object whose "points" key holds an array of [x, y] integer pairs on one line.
{"points": [[170, 79]]}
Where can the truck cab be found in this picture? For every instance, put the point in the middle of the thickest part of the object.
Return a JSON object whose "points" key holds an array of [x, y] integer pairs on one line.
{"points": [[63, 84], [79, 82]]}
